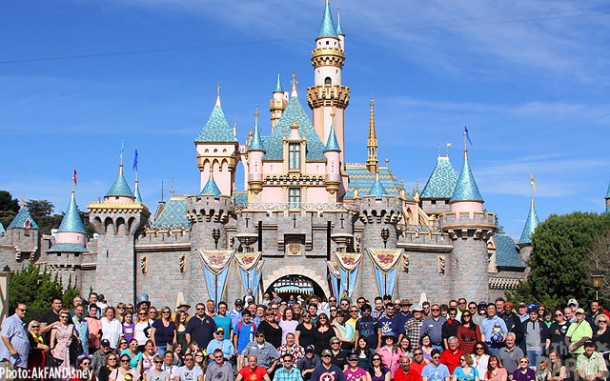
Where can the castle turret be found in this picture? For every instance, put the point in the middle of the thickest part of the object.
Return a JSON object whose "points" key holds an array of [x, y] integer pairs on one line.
{"points": [[22, 236], [328, 95], [531, 223], [217, 150], [340, 32], [439, 188], [256, 150], [118, 220], [209, 212], [333, 166], [469, 227], [372, 162], [278, 103], [607, 198]]}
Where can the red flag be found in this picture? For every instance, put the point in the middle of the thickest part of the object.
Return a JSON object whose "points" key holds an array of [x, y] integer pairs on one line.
{"points": [[74, 177]]}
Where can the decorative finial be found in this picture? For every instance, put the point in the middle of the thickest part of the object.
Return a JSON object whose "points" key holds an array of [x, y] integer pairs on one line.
{"points": [[218, 94], [387, 160], [533, 186], [171, 186], [162, 192], [439, 149], [447, 149], [256, 114], [294, 85], [235, 127]]}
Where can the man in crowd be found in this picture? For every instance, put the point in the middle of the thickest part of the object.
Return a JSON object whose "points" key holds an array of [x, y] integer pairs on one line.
{"points": [[509, 356], [493, 330], [433, 327], [327, 371], [523, 315], [50, 319], [473, 309], [292, 348], [210, 308], [366, 327], [500, 306], [435, 371], [578, 333], [223, 321], [99, 357], [537, 339], [95, 328], [450, 327], [418, 362], [219, 369], [265, 353], [287, 372], [201, 327], [404, 314], [236, 312], [388, 323], [225, 346], [188, 372], [462, 307], [243, 333], [590, 364], [308, 363], [15, 343], [513, 323], [413, 326], [451, 357], [405, 373], [379, 308], [253, 371], [81, 327]]}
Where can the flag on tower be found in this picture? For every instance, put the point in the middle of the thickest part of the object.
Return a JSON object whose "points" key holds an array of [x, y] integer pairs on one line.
{"points": [[135, 161], [74, 177], [533, 182], [467, 135], [122, 150]]}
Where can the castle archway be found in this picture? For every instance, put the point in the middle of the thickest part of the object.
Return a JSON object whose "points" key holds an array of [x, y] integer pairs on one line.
{"points": [[291, 280], [295, 284]]}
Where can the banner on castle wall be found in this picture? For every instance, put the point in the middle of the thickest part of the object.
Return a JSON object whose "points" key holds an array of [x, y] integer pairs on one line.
{"points": [[348, 264], [333, 271], [215, 271], [385, 265], [247, 261], [250, 266]]}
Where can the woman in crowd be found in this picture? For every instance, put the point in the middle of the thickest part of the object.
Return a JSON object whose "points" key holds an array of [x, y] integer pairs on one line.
{"points": [[389, 353], [377, 371], [495, 371], [163, 331], [353, 372], [62, 336], [123, 344], [481, 357], [121, 373], [112, 363], [468, 333], [135, 356], [287, 323], [364, 353], [466, 371], [120, 312], [142, 327], [524, 372], [180, 322], [601, 337], [323, 334], [266, 300], [112, 329], [83, 371], [148, 356], [178, 350], [542, 370], [557, 371], [128, 327], [271, 329], [38, 356], [305, 331], [169, 364], [200, 361], [344, 332], [405, 348], [425, 343], [332, 313], [157, 373]]}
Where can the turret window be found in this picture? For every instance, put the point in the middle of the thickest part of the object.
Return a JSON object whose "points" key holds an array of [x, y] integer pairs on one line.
{"points": [[294, 156], [328, 81], [294, 197]]}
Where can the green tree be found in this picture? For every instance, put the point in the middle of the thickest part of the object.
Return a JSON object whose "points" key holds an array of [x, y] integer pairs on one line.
{"points": [[9, 207], [598, 263], [560, 246], [41, 211]]}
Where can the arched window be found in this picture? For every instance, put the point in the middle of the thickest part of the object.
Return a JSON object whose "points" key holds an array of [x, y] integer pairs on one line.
{"points": [[328, 81]]}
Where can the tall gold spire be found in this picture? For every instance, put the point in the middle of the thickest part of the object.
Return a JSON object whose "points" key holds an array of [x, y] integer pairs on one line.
{"points": [[372, 163]]}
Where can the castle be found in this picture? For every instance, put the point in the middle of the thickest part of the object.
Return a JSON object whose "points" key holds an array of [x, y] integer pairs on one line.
{"points": [[307, 222]]}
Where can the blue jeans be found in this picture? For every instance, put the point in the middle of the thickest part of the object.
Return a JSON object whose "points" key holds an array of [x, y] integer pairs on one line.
{"points": [[533, 356], [161, 349]]}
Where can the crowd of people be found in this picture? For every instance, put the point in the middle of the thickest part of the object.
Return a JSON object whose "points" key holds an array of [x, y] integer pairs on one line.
{"points": [[294, 339]]}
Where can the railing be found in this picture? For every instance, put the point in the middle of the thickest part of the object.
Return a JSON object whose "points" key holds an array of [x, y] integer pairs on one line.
{"points": [[295, 205]]}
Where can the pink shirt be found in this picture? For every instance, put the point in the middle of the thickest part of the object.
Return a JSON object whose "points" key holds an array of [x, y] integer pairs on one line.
{"points": [[389, 359], [95, 326]]}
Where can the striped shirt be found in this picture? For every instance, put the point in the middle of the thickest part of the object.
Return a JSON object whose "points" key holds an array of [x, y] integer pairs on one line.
{"points": [[13, 328], [287, 375]]}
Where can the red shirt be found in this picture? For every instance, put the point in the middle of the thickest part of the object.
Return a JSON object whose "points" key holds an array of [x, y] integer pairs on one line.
{"points": [[452, 360], [412, 375], [417, 366], [253, 375]]}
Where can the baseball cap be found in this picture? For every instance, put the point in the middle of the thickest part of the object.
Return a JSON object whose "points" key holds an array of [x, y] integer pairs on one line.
{"points": [[482, 304], [406, 302], [239, 302], [352, 356], [220, 330], [579, 311], [310, 349], [417, 308], [105, 343], [326, 352], [522, 304], [573, 302]]}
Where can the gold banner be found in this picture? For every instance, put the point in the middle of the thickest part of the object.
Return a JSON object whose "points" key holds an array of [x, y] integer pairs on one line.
{"points": [[247, 261], [348, 261], [333, 267], [385, 259], [216, 260]]}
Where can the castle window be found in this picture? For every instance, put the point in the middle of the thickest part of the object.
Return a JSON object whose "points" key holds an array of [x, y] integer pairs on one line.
{"points": [[294, 156], [294, 197], [328, 81]]}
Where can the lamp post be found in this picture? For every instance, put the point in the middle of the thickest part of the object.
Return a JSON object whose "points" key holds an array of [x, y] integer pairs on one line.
{"points": [[385, 234], [216, 237], [597, 276]]}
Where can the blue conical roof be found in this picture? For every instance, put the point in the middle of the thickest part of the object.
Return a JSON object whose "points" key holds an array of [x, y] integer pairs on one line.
{"points": [[278, 86], [210, 188], [72, 221], [466, 188], [136, 190], [442, 181], [530, 225], [216, 129], [2, 231], [257, 143], [339, 29], [120, 188], [377, 189], [608, 192], [327, 28], [333, 143], [21, 219]]}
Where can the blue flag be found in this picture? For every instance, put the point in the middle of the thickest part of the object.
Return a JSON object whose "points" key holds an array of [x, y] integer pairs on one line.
{"points": [[122, 150], [467, 135], [135, 161]]}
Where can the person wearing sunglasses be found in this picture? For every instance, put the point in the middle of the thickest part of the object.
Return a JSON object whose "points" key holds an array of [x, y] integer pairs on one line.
{"points": [[327, 370], [601, 336], [219, 369], [435, 371], [465, 372], [377, 371], [433, 326], [110, 365], [524, 372], [405, 373], [124, 371], [62, 336], [156, 373], [265, 353], [189, 372]]}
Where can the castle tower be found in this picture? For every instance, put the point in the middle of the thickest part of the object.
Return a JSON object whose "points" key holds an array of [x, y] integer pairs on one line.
{"points": [[372, 162], [469, 228], [328, 94], [278, 103], [439, 188], [332, 153], [525, 242], [21, 236], [256, 150], [340, 30], [217, 150], [607, 198], [118, 220]]}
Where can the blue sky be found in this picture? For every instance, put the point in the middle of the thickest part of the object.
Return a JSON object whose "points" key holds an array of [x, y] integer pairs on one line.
{"points": [[529, 78]]}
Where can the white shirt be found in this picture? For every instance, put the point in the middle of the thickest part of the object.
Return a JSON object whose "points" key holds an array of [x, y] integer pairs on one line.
{"points": [[111, 330]]}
